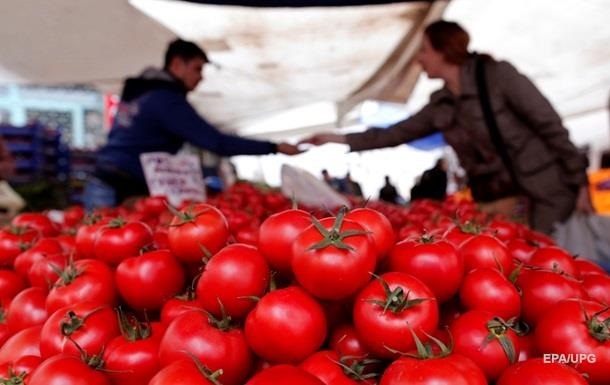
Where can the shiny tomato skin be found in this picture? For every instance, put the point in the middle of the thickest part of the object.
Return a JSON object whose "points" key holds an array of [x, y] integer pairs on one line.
{"points": [[286, 326], [93, 282], [450, 370], [193, 333], [324, 364], [330, 272], [147, 281], [382, 330], [23, 343], [284, 374], [42, 248], [118, 240], [181, 372], [536, 371], [486, 251], [378, 225], [65, 369], [11, 283], [427, 261], [204, 232], [233, 276], [488, 289], [98, 326], [38, 222], [276, 235], [27, 309], [554, 258]]}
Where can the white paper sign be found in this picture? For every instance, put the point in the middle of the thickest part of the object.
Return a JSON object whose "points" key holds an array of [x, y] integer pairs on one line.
{"points": [[177, 177]]}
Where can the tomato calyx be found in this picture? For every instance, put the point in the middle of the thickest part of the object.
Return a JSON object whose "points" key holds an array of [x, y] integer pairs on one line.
{"points": [[397, 300], [116, 223], [92, 219], [355, 366], [2, 316], [14, 378], [69, 274], [427, 238], [73, 322], [225, 322], [185, 216], [131, 328], [470, 227], [498, 329], [335, 236], [600, 330], [207, 373]]}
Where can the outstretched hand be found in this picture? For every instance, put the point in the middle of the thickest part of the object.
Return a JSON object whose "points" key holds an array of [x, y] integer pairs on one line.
{"points": [[288, 149], [320, 139]]}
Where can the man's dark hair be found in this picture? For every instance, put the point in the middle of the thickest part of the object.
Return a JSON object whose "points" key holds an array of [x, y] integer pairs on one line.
{"points": [[185, 50]]}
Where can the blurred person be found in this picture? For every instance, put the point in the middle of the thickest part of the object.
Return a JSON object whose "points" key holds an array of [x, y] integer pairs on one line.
{"points": [[432, 184], [351, 187], [531, 156], [334, 183], [155, 115], [388, 192]]}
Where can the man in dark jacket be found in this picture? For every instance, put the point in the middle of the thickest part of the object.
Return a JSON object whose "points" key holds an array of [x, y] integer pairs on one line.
{"points": [[154, 115]]}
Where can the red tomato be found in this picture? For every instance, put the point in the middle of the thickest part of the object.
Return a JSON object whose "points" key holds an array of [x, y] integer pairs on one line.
{"points": [[536, 371], [486, 251], [86, 280], [86, 325], [185, 372], [14, 241], [86, 235], [233, 275], [284, 374], [27, 309], [44, 271], [427, 260], [477, 335], [286, 326], [24, 343], [389, 308], [39, 251], [378, 225], [151, 206], [277, 234], [541, 290], [145, 282], [217, 347], [197, 232], [4, 333], [132, 358], [18, 371], [527, 346], [11, 283], [327, 366], [521, 249], [345, 340], [334, 258], [39, 222], [597, 287], [585, 267], [488, 289], [73, 216], [173, 307], [578, 330], [64, 369], [554, 258], [118, 240], [503, 230], [454, 369]]}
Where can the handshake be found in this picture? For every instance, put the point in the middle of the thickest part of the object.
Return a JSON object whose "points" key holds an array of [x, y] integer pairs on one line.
{"points": [[315, 140]]}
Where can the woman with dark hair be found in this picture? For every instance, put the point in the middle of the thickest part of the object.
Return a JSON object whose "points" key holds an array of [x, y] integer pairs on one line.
{"points": [[508, 137]]}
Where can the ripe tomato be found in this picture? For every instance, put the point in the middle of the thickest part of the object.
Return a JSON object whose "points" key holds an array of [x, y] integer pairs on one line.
{"points": [[184, 372], [284, 374], [18, 371], [597, 287], [11, 283], [14, 241], [585, 267], [489, 342], [389, 308], [86, 235], [488, 289], [233, 275], [39, 251], [119, 239], [216, 346], [486, 251], [44, 271], [23, 343], [27, 309], [378, 225], [578, 330], [86, 325], [65, 369], [503, 230], [277, 234], [39, 222], [536, 371], [197, 230], [345, 340], [145, 282], [286, 326], [521, 249], [454, 369], [554, 258], [132, 358], [333, 258], [173, 307], [541, 290], [427, 260], [86, 280], [330, 368]]}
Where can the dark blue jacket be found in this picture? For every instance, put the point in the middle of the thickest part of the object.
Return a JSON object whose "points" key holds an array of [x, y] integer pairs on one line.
{"points": [[154, 115]]}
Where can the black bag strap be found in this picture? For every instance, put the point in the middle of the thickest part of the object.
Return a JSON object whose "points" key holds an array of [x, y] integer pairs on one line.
{"points": [[490, 119]]}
